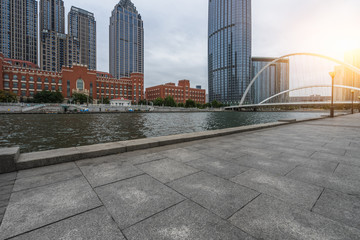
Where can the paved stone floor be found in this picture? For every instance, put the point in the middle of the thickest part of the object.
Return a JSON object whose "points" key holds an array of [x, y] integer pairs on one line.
{"points": [[299, 181]]}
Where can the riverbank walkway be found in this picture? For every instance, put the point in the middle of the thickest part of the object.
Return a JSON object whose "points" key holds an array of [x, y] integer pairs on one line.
{"points": [[297, 181]]}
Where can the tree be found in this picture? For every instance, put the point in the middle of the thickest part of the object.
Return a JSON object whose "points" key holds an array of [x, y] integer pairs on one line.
{"points": [[81, 98], [199, 105], [206, 105], [6, 96], [48, 97], [181, 105], [105, 100], [169, 101], [190, 103], [143, 102], [158, 101], [216, 104]]}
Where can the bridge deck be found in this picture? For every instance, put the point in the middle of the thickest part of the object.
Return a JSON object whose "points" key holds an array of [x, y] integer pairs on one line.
{"points": [[299, 181]]}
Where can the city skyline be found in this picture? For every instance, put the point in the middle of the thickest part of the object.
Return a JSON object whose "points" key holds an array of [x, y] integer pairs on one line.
{"points": [[176, 41], [173, 38]]}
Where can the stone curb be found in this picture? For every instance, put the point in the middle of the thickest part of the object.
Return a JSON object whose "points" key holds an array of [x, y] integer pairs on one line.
{"points": [[62, 155]]}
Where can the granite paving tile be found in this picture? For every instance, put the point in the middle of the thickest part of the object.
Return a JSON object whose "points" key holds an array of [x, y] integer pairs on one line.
{"points": [[8, 176], [348, 171], [6, 183], [167, 170], [135, 199], [264, 163], [45, 179], [101, 173], [221, 168], [186, 220], [326, 180], [336, 158], [322, 165], [269, 218], [144, 158], [181, 154], [37, 207], [46, 170], [92, 225], [286, 189], [220, 196], [220, 153], [4, 190], [341, 207]]}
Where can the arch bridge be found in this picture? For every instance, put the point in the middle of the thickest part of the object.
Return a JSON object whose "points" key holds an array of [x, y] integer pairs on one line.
{"points": [[299, 79]]}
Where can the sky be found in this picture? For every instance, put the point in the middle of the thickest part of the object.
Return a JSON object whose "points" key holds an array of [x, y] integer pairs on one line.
{"points": [[176, 32]]}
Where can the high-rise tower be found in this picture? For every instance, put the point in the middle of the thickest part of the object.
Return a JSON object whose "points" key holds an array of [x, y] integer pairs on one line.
{"points": [[126, 40], [229, 49], [53, 40], [82, 26], [18, 29]]}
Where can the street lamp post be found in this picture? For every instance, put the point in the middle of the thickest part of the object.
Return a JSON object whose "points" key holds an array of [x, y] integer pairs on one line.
{"points": [[352, 101], [332, 74]]}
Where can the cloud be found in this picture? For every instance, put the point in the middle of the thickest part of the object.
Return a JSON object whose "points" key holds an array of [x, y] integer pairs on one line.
{"points": [[176, 32]]}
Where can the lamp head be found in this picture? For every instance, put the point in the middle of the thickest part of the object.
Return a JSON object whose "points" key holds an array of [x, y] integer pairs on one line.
{"points": [[332, 74]]}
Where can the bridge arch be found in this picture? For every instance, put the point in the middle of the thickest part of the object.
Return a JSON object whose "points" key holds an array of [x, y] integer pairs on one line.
{"points": [[348, 66], [312, 86]]}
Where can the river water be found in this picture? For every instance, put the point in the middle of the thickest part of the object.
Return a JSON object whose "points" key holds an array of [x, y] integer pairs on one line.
{"points": [[49, 131]]}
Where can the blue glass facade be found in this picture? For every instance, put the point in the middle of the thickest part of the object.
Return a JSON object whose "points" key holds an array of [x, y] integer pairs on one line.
{"points": [[274, 79], [18, 29], [126, 40], [229, 49]]}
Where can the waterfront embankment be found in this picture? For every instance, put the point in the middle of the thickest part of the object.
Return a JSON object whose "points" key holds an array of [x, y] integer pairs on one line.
{"points": [[279, 181]]}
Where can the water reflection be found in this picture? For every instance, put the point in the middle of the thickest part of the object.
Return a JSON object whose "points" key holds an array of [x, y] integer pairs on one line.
{"points": [[43, 132]]}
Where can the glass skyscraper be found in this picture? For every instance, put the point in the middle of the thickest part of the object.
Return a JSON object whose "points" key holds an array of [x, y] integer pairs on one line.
{"points": [[126, 40], [18, 29], [229, 49]]}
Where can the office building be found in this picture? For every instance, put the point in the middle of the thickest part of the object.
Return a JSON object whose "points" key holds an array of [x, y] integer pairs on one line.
{"points": [[126, 40], [82, 27], [274, 79], [229, 49], [53, 41], [19, 29], [180, 93]]}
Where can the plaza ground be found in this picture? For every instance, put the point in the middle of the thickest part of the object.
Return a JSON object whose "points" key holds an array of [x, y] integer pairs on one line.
{"points": [[297, 181]]}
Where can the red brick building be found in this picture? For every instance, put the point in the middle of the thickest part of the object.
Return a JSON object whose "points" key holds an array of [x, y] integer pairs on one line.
{"points": [[26, 79], [180, 93]]}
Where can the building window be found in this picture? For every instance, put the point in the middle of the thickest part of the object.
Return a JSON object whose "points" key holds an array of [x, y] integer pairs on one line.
{"points": [[68, 88], [60, 81], [53, 88], [39, 87], [6, 84], [46, 80], [6, 76], [80, 84], [91, 89], [23, 85], [15, 77], [23, 78], [23, 93], [31, 79], [31, 86], [53, 80], [60, 88]]}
